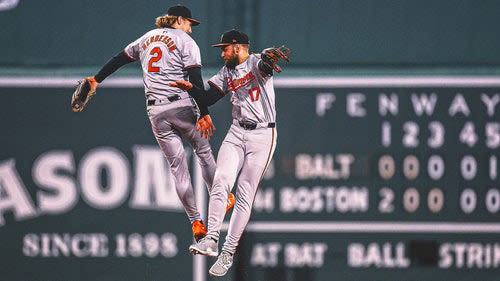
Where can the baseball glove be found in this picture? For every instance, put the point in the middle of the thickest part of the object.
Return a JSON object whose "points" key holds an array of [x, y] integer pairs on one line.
{"points": [[84, 91], [271, 56]]}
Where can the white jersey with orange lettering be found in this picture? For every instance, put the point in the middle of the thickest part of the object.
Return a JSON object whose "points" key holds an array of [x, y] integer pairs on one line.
{"points": [[165, 54], [252, 93], [247, 149]]}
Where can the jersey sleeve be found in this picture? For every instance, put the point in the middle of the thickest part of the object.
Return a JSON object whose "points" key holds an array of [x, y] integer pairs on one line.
{"points": [[132, 50], [263, 71], [191, 56], [218, 82]]}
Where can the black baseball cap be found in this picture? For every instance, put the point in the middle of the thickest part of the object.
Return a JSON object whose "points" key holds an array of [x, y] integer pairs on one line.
{"points": [[182, 11], [232, 37]]}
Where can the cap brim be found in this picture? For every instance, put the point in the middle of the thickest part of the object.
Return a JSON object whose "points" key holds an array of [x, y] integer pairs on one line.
{"points": [[221, 44], [194, 22]]}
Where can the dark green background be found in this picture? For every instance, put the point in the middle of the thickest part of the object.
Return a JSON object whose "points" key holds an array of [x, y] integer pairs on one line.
{"points": [[37, 120], [321, 33]]}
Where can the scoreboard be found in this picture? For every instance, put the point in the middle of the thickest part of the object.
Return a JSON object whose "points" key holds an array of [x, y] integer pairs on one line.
{"points": [[386, 181]]}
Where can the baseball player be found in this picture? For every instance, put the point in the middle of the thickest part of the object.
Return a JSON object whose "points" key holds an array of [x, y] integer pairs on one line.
{"points": [[168, 53], [247, 148]]}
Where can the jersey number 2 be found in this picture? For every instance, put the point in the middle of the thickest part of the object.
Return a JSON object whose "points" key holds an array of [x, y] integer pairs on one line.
{"points": [[254, 94], [155, 57]]}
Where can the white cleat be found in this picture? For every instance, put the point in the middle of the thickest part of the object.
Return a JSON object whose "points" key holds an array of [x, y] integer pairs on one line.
{"points": [[206, 246], [222, 265]]}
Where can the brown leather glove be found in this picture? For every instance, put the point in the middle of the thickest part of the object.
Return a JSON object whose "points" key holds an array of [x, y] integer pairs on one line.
{"points": [[84, 91]]}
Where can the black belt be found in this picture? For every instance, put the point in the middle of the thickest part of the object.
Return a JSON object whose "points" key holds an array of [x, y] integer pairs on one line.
{"points": [[170, 99], [253, 126]]}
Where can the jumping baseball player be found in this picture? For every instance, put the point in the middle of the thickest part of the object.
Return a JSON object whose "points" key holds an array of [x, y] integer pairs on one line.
{"points": [[248, 146], [167, 54]]}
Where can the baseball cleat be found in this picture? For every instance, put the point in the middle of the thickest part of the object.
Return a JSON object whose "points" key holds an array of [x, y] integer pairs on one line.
{"points": [[199, 230], [222, 265], [206, 246], [231, 200]]}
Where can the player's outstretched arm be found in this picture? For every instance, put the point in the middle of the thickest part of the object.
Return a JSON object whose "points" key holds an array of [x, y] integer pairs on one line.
{"points": [[86, 87], [202, 97], [112, 65]]}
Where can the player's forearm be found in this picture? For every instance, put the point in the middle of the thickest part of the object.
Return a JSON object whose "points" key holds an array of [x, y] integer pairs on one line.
{"points": [[198, 92], [194, 76], [112, 65], [203, 110], [206, 97]]}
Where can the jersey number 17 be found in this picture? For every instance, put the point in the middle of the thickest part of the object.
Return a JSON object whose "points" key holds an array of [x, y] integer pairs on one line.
{"points": [[254, 94]]}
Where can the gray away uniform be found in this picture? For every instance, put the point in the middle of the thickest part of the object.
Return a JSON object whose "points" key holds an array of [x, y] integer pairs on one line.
{"points": [[247, 148], [165, 55]]}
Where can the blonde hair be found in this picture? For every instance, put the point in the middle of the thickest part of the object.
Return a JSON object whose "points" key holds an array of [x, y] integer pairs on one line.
{"points": [[165, 21]]}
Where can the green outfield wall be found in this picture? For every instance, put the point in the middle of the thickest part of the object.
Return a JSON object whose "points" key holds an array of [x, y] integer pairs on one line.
{"points": [[389, 178]]}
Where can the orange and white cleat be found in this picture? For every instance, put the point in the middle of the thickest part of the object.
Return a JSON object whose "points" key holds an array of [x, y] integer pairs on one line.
{"points": [[231, 200], [199, 230]]}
